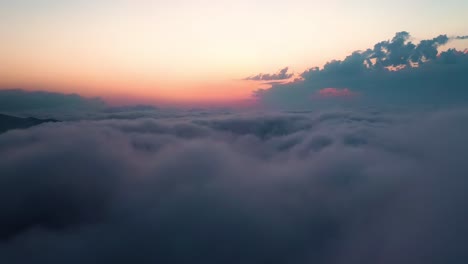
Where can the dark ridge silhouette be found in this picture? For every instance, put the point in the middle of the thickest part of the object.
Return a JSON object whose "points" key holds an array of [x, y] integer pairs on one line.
{"points": [[129, 108], [8, 122]]}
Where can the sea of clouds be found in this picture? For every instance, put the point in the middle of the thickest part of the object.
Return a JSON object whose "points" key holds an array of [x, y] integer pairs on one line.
{"points": [[330, 186]]}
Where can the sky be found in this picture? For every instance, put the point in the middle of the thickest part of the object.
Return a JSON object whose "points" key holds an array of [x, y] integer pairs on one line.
{"points": [[196, 51]]}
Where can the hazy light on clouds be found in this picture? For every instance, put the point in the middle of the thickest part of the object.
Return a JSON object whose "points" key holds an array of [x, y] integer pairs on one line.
{"points": [[324, 187]]}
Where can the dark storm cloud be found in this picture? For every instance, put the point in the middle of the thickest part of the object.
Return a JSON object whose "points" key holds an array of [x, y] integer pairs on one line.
{"points": [[281, 75], [343, 186], [393, 71]]}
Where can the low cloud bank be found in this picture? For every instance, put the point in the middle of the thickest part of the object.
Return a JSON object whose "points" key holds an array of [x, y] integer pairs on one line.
{"points": [[343, 186], [19, 101]]}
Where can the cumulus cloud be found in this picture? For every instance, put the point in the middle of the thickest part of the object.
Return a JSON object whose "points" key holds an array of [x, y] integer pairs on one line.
{"points": [[280, 75], [393, 71], [342, 186]]}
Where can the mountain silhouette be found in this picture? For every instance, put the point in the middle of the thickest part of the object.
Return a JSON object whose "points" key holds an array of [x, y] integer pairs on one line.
{"points": [[8, 122]]}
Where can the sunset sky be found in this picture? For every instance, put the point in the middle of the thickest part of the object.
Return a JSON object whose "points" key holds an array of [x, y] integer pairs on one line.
{"points": [[196, 51]]}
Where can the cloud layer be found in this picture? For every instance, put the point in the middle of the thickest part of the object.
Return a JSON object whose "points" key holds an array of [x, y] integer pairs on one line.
{"points": [[343, 186]]}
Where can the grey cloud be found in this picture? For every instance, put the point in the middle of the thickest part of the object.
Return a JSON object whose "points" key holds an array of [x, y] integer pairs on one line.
{"points": [[281, 75], [46, 104], [424, 76], [342, 186], [400, 51], [461, 37]]}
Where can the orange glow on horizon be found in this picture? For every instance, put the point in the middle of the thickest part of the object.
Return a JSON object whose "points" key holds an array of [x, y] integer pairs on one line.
{"points": [[121, 91]]}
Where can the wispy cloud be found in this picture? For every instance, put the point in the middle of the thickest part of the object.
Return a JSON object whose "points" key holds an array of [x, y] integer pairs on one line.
{"points": [[280, 75]]}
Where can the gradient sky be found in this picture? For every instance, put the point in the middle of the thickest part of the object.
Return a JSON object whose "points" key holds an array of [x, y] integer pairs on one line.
{"points": [[185, 50]]}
